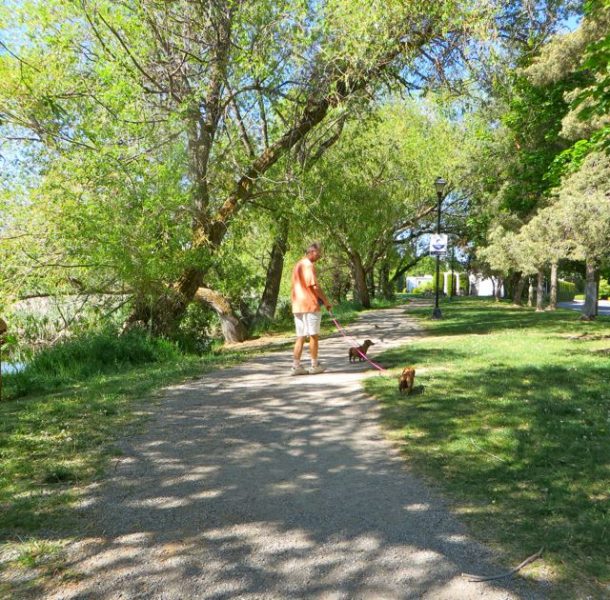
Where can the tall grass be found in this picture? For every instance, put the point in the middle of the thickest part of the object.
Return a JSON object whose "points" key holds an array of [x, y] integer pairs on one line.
{"points": [[87, 355]]}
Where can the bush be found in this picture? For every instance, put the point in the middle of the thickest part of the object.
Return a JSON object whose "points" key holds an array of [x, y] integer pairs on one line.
{"points": [[566, 291], [194, 334], [87, 355], [424, 288], [604, 289]]}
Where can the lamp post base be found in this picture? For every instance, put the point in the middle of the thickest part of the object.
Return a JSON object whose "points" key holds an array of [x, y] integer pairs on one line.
{"points": [[436, 313]]}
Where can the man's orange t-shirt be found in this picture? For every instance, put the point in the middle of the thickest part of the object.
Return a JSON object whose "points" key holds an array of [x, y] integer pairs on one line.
{"points": [[304, 299]]}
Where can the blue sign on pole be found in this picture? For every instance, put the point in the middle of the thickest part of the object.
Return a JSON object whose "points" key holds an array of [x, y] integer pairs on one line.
{"points": [[438, 244]]}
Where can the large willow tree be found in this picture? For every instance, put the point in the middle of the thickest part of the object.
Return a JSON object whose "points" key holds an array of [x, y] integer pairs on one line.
{"points": [[139, 130]]}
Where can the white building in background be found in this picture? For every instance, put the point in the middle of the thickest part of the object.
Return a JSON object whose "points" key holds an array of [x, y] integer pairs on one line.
{"points": [[414, 282], [483, 286], [477, 284]]}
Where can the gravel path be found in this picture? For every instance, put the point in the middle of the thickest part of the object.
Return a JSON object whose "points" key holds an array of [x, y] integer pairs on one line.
{"points": [[249, 483]]}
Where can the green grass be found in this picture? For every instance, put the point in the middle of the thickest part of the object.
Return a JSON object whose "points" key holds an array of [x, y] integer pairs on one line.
{"points": [[513, 422]]}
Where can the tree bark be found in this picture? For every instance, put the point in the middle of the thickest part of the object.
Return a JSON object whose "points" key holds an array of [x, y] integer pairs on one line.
{"points": [[498, 288], [553, 295], [370, 282], [540, 291], [233, 330], [3, 330], [209, 230], [530, 292], [387, 290], [589, 309], [360, 286], [518, 290], [268, 303]]}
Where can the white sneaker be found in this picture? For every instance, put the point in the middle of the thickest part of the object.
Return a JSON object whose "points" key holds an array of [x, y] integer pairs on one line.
{"points": [[317, 369], [300, 370]]}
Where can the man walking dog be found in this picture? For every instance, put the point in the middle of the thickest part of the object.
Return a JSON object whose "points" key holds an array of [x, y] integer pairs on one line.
{"points": [[307, 296]]}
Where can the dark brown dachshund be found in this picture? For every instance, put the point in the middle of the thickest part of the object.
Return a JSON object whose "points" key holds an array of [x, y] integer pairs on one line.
{"points": [[406, 379], [354, 353]]}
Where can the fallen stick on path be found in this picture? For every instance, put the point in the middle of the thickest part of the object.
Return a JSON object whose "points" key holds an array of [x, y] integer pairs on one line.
{"points": [[527, 561]]}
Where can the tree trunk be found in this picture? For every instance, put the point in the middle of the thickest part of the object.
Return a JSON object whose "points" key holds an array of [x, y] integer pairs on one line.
{"points": [[3, 330], [498, 288], [540, 291], [518, 290], [233, 330], [370, 283], [209, 230], [530, 292], [597, 280], [360, 287], [387, 290], [268, 303], [553, 295], [340, 284], [589, 309]]}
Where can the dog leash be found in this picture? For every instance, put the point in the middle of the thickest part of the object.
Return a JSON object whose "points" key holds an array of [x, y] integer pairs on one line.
{"points": [[355, 345]]}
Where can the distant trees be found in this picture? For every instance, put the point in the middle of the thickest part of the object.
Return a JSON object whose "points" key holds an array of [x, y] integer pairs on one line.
{"points": [[558, 193]]}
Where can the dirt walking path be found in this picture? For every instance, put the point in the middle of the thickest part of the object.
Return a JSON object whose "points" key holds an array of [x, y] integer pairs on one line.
{"points": [[249, 483]]}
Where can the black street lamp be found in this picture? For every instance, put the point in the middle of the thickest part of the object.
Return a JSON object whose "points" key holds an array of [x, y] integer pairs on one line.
{"points": [[439, 184]]}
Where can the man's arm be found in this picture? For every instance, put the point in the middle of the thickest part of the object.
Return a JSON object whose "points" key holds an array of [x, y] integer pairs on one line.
{"points": [[321, 296]]}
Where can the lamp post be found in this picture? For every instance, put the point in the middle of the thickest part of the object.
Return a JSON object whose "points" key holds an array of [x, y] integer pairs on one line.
{"points": [[439, 184]]}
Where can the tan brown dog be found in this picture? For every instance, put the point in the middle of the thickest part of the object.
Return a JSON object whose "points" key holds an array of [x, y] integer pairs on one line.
{"points": [[355, 353], [406, 379]]}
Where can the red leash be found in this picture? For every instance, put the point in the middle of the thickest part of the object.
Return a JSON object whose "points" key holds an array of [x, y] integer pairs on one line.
{"points": [[342, 331]]}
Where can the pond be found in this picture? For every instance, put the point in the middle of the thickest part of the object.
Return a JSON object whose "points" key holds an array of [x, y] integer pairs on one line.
{"points": [[8, 367]]}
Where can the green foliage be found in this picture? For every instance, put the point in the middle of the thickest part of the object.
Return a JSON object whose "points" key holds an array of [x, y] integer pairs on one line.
{"points": [[194, 334], [604, 289], [566, 291], [425, 266], [511, 420], [425, 288]]}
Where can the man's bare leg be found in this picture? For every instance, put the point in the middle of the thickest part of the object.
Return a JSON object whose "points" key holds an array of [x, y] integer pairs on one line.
{"points": [[313, 349], [298, 350]]}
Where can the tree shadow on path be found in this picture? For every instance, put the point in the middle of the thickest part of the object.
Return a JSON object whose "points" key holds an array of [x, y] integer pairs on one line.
{"points": [[251, 483]]}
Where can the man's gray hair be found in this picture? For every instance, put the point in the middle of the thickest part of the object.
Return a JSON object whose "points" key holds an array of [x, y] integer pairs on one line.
{"points": [[313, 246]]}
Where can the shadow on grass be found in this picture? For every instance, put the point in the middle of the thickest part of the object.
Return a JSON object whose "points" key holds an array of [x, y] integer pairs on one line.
{"points": [[476, 316], [524, 452]]}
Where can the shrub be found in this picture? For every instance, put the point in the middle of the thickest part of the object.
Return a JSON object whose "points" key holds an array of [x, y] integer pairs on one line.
{"points": [[87, 355], [566, 291], [424, 288], [604, 289], [194, 333]]}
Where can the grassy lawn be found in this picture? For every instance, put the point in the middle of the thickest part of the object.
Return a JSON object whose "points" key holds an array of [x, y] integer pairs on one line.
{"points": [[513, 423]]}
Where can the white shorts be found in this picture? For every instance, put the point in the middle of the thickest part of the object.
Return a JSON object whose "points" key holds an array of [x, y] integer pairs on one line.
{"points": [[307, 323]]}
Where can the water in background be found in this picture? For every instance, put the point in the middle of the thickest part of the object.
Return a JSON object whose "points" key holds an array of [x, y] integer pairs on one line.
{"points": [[8, 368]]}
